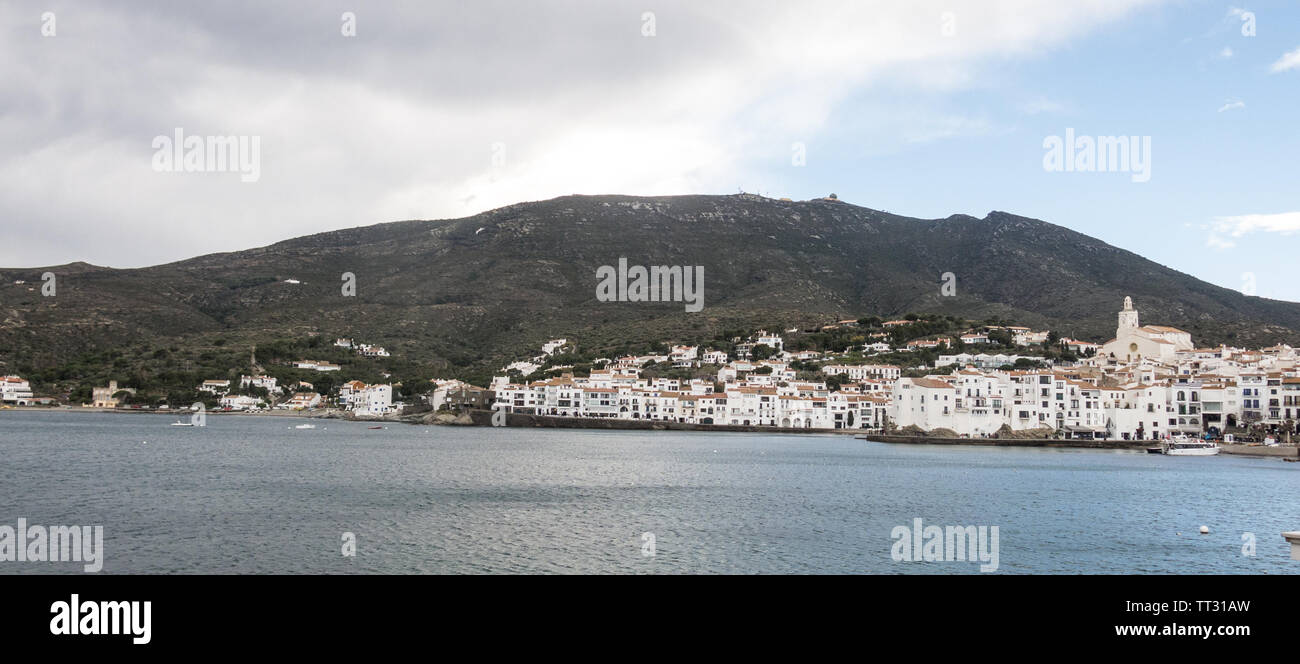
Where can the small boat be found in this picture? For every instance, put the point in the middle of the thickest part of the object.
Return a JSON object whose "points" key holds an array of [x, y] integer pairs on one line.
{"points": [[182, 424], [374, 427], [1181, 445], [305, 426]]}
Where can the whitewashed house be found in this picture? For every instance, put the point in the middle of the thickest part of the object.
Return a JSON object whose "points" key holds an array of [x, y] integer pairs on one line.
{"points": [[215, 386], [15, 391]]}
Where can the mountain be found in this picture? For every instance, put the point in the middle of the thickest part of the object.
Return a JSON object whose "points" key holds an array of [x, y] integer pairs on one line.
{"points": [[483, 289]]}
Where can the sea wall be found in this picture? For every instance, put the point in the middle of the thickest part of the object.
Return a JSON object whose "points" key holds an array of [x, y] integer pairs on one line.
{"points": [[484, 418], [1261, 451], [1016, 442]]}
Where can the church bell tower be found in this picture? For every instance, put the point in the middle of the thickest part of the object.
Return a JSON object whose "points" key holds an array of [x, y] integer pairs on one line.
{"points": [[1128, 318]]}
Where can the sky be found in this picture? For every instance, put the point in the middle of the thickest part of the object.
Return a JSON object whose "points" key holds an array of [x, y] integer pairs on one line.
{"points": [[351, 114]]}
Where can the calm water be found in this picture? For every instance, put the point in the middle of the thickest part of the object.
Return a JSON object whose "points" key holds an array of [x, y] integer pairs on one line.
{"points": [[254, 495]]}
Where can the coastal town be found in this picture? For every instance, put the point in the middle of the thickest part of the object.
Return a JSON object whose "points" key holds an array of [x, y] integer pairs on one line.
{"points": [[1147, 383]]}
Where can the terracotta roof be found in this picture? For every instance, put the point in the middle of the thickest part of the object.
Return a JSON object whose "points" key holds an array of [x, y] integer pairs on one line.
{"points": [[931, 383]]}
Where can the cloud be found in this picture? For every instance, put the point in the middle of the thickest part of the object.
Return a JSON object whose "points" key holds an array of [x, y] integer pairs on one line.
{"points": [[1218, 242], [1224, 230], [1226, 52], [1232, 104], [436, 110], [1287, 62]]}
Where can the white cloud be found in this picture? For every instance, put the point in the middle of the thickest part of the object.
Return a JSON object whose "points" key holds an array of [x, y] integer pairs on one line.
{"points": [[1224, 230], [1218, 242], [1226, 52], [399, 121], [1232, 104], [1286, 62]]}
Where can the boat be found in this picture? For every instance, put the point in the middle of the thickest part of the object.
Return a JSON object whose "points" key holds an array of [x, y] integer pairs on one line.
{"points": [[374, 427], [182, 424], [305, 426], [1181, 445]]}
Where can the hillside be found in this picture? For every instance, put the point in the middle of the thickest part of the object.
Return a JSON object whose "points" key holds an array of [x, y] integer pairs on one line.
{"points": [[476, 291]]}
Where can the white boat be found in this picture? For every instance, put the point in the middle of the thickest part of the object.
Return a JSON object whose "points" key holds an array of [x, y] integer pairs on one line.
{"points": [[305, 426], [182, 424], [1181, 445]]}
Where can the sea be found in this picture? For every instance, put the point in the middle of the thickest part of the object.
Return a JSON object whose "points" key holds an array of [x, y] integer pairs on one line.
{"points": [[255, 495]]}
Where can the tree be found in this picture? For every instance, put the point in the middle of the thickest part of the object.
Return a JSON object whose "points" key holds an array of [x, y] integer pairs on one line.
{"points": [[761, 352], [1001, 337]]}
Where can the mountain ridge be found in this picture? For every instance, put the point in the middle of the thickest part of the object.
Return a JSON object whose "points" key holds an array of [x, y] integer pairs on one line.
{"points": [[477, 290]]}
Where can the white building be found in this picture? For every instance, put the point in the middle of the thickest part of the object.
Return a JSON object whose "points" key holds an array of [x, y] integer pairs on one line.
{"points": [[714, 357], [241, 402], [215, 386], [302, 401], [445, 389], [266, 382], [373, 400], [1022, 336], [315, 365], [863, 371], [773, 341], [15, 391], [982, 360]]}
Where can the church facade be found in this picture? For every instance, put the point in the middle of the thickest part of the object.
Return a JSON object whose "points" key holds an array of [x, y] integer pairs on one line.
{"points": [[1134, 341]]}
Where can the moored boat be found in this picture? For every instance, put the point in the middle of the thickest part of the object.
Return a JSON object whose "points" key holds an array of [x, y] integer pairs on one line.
{"points": [[1181, 445]]}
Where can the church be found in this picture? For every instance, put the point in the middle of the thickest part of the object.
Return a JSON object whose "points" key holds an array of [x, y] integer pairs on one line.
{"points": [[1134, 341]]}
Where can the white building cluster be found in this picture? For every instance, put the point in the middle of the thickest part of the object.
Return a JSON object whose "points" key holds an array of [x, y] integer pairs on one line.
{"points": [[752, 394], [1149, 382]]}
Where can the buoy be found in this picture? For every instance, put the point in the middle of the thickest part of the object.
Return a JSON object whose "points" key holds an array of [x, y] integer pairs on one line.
{"points": [[1205, 530]]}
